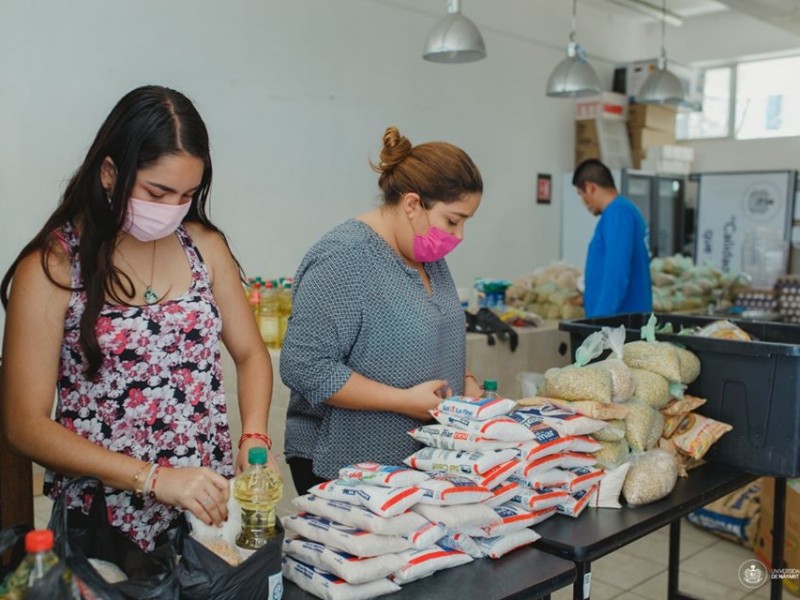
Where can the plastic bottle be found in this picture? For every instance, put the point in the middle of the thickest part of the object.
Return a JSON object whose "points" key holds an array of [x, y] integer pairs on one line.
{"points": [[39, 560], [258, 490], [269, 323], [254, 299], [490, 389], [285, 306]]}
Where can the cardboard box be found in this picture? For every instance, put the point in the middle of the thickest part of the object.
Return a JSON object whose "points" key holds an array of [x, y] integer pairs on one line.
{"points": [[603, 139], [791, 546], [606, 105], [645, 138], [652, 116]]}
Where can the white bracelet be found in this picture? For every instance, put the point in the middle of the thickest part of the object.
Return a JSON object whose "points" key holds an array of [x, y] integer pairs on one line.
{"points": [[147, 481]]}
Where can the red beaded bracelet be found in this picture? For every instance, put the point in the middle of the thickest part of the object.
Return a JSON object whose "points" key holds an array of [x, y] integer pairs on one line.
{"points": [[259, 436], [151, 489]]}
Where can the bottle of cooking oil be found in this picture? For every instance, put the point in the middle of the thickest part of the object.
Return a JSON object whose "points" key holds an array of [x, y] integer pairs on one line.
{"points": [[490, 389], [258, 490], [269, 323], [39, 560], [253, 292], [285, 306]]}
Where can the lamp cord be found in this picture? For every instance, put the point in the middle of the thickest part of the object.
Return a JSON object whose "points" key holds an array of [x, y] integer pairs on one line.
{"points": [[574, 20], [664, 31]]}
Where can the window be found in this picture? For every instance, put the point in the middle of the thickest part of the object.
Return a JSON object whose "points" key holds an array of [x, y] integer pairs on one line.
{"points": [[713, 121], [767, 99], [763, 97]]}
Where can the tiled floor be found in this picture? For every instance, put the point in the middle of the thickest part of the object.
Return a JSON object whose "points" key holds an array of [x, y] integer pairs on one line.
{"points": [[709, 566]]}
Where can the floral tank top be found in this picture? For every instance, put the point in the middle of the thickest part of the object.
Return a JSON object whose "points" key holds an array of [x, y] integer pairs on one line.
{"points": [[158, 396]]}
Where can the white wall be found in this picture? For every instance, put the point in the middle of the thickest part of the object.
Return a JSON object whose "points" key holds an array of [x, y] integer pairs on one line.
{"points": [[296, 95]]}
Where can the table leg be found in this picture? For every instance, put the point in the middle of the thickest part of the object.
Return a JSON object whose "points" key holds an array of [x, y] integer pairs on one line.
{"points": [[673, 571], [778, 535], [583, 581]]}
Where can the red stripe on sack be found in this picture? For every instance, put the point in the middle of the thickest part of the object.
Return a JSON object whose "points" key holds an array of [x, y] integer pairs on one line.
{"points": [[486, 427], [516, 518], [431, 556], [485, 406], [501, 469], [469, 488], [423, 531], [405, 494]]}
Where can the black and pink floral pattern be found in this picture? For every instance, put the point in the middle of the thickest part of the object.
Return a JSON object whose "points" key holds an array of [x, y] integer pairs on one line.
{"points": [[158, 396]]}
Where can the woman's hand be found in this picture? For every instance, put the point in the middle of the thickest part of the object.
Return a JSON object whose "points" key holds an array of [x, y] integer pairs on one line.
{"points": [[197, 489], [420, 399], [471, 387]]}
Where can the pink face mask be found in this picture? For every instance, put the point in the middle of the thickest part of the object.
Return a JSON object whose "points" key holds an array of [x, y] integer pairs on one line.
{"points": [[148, 221], [434, 245]]}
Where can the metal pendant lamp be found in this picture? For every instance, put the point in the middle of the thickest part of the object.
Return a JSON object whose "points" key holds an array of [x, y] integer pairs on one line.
{"points": [[573, 76], [662, 86], [454, 39]]}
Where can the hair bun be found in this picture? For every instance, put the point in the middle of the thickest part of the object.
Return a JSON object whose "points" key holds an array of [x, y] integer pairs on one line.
{"points": [[396, 147]]}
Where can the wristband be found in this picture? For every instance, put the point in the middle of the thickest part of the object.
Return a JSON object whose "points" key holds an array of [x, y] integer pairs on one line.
{"points": [[259, 436]]}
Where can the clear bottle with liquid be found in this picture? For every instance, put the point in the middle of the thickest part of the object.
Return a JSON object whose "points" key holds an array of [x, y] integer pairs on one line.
{"points": [[490, 389], [39, 560], [253, 293], [285, 306], [258, 490], [269, 323]]}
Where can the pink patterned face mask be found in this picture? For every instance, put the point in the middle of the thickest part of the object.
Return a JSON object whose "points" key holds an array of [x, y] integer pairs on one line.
{"points": [[148, 221], [434, 245]]}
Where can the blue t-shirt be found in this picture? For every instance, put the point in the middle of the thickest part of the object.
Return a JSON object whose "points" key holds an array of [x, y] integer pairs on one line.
{"points": [[618, 263], [358, 306]]}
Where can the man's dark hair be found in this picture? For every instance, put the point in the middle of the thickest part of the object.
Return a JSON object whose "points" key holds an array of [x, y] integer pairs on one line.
{"points": [[592, 170]]}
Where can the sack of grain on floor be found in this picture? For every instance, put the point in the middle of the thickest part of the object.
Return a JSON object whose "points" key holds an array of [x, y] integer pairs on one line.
{"points": [[733, 517]]}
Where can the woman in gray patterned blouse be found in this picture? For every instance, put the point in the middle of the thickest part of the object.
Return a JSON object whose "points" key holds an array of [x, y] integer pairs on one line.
{"points": [[377, 333]]}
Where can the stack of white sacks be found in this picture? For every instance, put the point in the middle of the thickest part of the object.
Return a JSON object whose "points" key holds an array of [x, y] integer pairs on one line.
{"points": [[488, 475]]}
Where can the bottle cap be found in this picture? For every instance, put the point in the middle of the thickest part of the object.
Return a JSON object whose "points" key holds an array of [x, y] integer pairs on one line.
{"points": [[39, 540], [490, 385], [257, 456]]}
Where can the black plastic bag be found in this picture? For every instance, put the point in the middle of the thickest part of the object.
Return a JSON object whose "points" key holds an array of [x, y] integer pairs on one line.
{"points": [[203, 575], [79, 537], [489, 324]]}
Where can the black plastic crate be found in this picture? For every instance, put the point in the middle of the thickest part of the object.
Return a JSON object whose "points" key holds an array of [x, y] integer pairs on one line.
{"points": [[754, 386]]}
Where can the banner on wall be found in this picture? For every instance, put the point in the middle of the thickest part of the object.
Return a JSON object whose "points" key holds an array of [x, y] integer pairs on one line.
{"points": [[731, 205]]}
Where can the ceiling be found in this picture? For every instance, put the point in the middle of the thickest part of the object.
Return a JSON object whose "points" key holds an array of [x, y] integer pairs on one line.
{"points": [[784, 14]]}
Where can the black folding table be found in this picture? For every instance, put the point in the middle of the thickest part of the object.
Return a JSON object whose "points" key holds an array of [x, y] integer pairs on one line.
{"points": [[524, 573], [598, 532]]}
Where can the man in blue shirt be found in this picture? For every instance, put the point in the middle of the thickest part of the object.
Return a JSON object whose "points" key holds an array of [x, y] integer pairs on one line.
{"points": [[617, 277]]}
